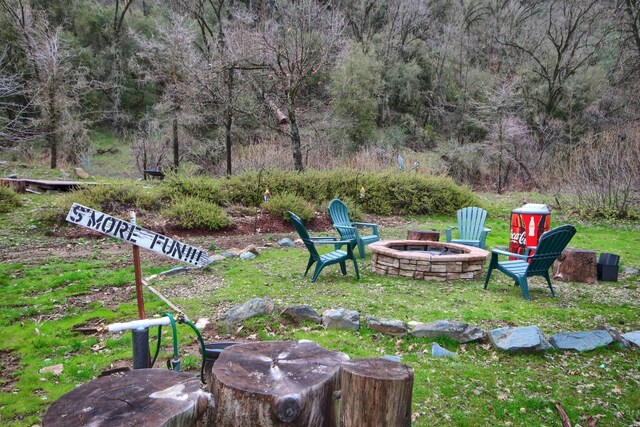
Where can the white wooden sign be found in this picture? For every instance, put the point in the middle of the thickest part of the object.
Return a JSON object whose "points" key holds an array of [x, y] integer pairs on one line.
{"points": [[131, 233]]}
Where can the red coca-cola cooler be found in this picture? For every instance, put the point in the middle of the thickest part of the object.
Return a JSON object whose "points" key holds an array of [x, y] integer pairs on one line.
{"points": [[528, 222]]}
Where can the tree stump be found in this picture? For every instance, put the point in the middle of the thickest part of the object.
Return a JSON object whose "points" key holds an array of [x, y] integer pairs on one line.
{"points": [[375, 392], [275, 383], [576, 265], [143, 397], [427, 235]]}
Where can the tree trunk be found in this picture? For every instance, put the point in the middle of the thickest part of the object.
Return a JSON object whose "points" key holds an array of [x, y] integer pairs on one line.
{"points": [[576, 265], [375, 392], [229, 121], [176, 142], [295, 140], [275, 384], [142, 397], [118, 77], [52, 124]]}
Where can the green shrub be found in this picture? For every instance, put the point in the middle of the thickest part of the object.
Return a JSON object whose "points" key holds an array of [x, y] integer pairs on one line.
{"points": [[281, 203], [9, 200], [176, 186], [190, 212]]}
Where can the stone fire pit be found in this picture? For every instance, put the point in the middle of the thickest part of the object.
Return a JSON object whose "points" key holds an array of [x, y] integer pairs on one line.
{"points": [[425, 260]]}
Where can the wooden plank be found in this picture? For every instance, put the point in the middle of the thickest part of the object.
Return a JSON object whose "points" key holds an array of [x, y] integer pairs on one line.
{"points": [[131, 233]]}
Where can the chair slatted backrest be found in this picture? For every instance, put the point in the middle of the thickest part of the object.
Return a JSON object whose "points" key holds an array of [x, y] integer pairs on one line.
{"points": [[304, 234], [550, 246], [340, 216], [471, 222]]}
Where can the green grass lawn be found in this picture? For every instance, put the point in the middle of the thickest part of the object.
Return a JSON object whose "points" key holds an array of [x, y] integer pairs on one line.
{"points": [[87, 281]]}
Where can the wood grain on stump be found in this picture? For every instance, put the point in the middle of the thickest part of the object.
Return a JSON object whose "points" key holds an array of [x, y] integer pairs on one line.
{"points": [[143, 397], [426, 235], [375, 392], [576, 265], [278, 383]]}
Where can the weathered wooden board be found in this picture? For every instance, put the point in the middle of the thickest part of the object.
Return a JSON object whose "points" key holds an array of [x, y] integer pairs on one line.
{"points": [[143, 397], [131, 233]]}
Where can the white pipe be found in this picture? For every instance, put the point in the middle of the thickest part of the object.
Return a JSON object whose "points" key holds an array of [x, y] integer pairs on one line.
{"points": [[139, 324]]}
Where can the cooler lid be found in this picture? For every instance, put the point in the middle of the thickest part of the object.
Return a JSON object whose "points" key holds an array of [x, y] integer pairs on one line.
{"points": [[532, 208]]}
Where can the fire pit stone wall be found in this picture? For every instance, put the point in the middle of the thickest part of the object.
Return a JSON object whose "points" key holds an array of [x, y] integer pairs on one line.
{"points": [[415, 264]]}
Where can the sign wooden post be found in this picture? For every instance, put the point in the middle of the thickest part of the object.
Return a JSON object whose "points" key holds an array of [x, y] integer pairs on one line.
{"points": [[138, 237], [137, 270]]}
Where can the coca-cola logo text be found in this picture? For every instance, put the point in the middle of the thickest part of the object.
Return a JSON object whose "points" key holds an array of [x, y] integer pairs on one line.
{"points": [[521, 238]]}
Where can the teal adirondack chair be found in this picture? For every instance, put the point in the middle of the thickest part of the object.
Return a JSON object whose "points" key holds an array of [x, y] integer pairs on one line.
{"points": [[349, 230], [550, 246], [471, 231], [335, 257]]}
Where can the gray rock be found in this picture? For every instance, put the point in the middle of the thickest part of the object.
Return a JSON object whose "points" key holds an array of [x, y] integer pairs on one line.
{"points": [[628, 271], [392, 358], [228, 254], [457, 331], [250, 248], [581, 341], [247, 255], [81, 173], [632, 337], [341, 319], [300, 313], [527, 339], [12, 176], [2, 164], [213, 258], [395, 328], [437, 351], [286, 242], [251, 308], [32, 227]]}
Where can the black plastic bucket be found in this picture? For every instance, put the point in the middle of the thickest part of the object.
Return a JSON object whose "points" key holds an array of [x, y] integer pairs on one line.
{"points": [[211, 353]]}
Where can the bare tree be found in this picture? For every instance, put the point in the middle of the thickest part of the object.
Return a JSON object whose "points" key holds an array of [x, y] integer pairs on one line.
{"points": [[300, 41], [120, 11], [16, 122]]}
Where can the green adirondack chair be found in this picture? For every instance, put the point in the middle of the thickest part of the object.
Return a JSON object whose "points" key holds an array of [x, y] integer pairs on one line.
{"points": [[471, 231], [335, 257], [550, 246], [349, 230]]}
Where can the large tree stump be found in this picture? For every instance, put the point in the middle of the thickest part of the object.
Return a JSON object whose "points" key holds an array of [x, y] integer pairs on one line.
{"points": [[375, 392], [576, 265], [427, 235], [275, 384], [143, 397]]}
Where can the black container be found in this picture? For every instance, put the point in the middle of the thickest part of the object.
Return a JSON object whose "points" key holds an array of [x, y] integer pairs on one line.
{"points": [[607, 267], [212, 352]]}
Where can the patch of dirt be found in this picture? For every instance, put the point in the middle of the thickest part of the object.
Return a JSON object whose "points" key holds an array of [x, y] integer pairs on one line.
{"points": [[9, 363]]}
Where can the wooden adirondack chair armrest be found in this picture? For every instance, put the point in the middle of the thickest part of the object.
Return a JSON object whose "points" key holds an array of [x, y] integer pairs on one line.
{"points": [[319, 239], [374, 227], [496, 252], [349, 243], [486, 230], [447, 231], [528, 250], [347, 227]]}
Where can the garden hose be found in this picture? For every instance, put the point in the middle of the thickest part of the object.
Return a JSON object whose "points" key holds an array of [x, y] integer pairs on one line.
{"points": [[175, 363], [183, 319]]}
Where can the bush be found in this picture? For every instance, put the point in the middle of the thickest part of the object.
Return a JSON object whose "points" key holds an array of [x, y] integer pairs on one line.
{"points": [[281, 203], [177, 186], [190, 212], [9, 200]]}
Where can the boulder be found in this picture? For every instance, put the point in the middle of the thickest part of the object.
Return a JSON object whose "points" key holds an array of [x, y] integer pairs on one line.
{"points": [[300, 313], [575, 265], [527, 339], [53, 369], [457, 331], [228, 254], [348, 320], [581, 341], [395, 328], [251, 308], [438, 351], [251, 249], [214, 258], [632, 337], [81, 173], [247, 255], [286, 243]]}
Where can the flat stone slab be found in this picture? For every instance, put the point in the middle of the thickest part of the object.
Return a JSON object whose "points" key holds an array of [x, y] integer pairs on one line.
{"points": [[457, 331], [251, 308], [438, 351], [632, 337], [396, 328], [581, 341], [526, 339], [300, 313], [341, 319]]}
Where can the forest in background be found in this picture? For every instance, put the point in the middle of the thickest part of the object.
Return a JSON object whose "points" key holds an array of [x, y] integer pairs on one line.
{"points": [[503, 94]]}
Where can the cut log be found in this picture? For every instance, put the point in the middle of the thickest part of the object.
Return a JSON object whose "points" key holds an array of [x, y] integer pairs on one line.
{"points": [[427, 235], [375, 392], [279, 383], [576, 265], [143, 397]]}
